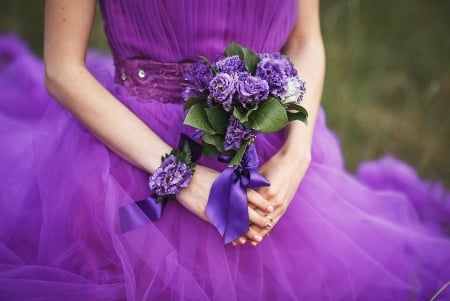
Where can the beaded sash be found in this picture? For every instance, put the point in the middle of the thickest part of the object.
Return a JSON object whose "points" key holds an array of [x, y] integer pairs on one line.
{"points": [[154, 80]]}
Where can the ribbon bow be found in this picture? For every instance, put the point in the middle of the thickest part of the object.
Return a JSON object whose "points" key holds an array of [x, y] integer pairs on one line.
{"points": [[227, 207]]}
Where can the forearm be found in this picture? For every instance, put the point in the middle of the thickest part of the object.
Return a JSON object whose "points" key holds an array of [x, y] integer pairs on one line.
{"points": [[309, 59], [109, 120], [305, 47], [67, 28]]}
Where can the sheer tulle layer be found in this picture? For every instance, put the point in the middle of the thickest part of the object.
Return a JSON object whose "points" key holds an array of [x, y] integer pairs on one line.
{"points": [[374, 238]]}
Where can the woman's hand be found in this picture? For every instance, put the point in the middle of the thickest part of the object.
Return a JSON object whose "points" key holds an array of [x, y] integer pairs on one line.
{"points": [[284, 170], [195, 197]]}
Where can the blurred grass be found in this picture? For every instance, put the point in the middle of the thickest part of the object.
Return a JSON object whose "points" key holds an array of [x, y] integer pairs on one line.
{"points": [[387, 87]]}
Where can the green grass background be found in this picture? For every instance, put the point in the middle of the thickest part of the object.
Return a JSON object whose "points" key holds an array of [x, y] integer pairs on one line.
{"points": [[387, 87]]}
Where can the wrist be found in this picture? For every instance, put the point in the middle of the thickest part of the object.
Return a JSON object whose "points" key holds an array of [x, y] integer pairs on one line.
{"points": [[298, 141]]}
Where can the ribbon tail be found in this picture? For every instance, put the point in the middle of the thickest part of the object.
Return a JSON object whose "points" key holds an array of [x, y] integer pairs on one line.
{"points": [[139, 213], [219, 197], [227, 207], [237, 217]]}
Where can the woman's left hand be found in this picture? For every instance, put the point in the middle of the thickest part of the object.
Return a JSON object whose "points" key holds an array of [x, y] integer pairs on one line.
{"points": [[284, 171]]}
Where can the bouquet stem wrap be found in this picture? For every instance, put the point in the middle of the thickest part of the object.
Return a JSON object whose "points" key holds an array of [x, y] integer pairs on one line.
{"points": [[227, 207]]}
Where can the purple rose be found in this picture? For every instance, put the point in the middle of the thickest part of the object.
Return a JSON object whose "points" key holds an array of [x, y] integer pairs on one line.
{"points": [[230, 65], [170, 177], [251, 89], [222, 88], [236, 134], [198, 79]]}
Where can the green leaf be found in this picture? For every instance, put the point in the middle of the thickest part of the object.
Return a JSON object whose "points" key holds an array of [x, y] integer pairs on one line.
{"points": [[233, 49], [270, 117], [297, 108], [250, 58], [237, 158], [193, 100], [218, 118], [187, 154], [296, 112], [209, 150], [243, 116], [297, 116], [197, 118], [162, 198], [215, 140]]}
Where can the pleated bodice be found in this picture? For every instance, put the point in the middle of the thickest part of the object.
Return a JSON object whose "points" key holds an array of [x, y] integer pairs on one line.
{"points": [[177, 30]]}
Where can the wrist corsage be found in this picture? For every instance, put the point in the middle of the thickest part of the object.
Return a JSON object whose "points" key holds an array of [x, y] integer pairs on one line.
{"points": [[174, 173]]}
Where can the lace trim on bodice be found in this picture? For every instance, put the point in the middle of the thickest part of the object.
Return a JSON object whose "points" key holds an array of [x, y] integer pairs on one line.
{"points": [[153, 80]]}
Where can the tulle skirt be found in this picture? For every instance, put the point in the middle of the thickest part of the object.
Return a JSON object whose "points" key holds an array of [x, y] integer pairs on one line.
{"points": [[378, 235]]}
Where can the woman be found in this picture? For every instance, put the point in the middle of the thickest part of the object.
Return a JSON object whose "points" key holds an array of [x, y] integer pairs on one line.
{"points": [[331, 238]]}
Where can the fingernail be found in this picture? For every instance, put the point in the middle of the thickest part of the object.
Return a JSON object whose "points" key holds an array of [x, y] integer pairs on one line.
{"points": [[242, 240], [257, 237], [254, 243], [234, 244], [268, 225], [270, 208]]}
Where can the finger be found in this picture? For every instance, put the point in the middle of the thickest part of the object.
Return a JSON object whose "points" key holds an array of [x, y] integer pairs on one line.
{"points": [[259, 218], [240, 241], [254, 236], [259, 221], [256, 200], [273, 218]]}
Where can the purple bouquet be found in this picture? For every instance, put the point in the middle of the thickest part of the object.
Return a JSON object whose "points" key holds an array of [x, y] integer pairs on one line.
{"points": [[240, 94], [230, 101]]}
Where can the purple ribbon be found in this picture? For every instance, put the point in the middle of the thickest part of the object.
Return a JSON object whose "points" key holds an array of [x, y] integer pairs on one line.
{"points": [[137, 214], [227, 207]]}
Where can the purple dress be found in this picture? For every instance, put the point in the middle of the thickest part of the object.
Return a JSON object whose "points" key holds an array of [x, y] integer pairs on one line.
{"points": [[375, 236]]}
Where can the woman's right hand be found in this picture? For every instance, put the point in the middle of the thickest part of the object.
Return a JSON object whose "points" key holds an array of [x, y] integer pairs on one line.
{"points": [[195, 198]]}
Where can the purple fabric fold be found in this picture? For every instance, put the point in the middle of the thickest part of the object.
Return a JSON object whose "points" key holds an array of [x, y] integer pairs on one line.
{"points": [[227, 207]]}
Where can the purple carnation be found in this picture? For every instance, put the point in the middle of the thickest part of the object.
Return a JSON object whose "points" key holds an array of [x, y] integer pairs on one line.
{"points": [[251, 89], [284, 61], [198, 78], [222, 88], [230, 65], [170, 177], [276, 69], [272, 71], [236, 134]]}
